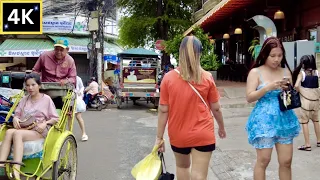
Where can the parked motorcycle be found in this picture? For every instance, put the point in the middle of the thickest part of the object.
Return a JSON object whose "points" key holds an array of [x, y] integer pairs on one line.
{"points": [[4, 109], [96, 101]]}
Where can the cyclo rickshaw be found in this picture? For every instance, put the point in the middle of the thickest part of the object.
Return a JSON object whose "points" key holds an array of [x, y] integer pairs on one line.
{"points": [[57, 156]]}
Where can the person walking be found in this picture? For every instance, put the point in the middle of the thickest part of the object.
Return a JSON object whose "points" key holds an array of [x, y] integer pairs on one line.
{"points": [[188, 100], [81, 107], [267, 125], [306, 80]]}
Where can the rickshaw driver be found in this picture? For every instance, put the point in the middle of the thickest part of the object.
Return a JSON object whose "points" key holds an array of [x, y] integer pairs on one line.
{"points": [[57, 66]]}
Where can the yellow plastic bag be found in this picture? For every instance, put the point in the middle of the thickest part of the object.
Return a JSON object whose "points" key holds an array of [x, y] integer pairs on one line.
{"points": [[148, 168]]}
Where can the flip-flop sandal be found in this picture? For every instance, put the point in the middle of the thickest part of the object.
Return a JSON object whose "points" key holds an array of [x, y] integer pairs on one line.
{"points": [[304, 148], [318, 144]]}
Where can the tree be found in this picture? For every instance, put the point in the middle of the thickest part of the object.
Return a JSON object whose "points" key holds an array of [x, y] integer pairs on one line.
{"points": [[146, 21], [209, 60]]}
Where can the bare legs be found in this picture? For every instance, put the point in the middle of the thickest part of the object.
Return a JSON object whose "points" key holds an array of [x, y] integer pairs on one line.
{"points": [[18, 137], [305, 129], [82, 127], [284, 151], [263, 159], [306, 133], [317, 130], [200, 165]]}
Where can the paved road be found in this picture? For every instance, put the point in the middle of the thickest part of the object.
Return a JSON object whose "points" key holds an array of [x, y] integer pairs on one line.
{"points": [[118, 139]]}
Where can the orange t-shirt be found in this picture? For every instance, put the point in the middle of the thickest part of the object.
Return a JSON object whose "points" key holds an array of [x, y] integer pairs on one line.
{"points": [[190, 123]]}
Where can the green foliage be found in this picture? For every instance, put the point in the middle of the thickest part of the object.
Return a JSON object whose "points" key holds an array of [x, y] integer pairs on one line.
{"points": [[172, 46], [135, 32], [253, 44], [209, 60], [144, 21]]}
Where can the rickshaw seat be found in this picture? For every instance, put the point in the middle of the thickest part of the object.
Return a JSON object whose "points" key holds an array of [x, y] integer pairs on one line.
{"points": [[31, 149]]}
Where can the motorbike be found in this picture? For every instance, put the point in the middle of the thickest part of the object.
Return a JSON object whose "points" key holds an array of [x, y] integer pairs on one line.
{"points": [[97, 101], [5, 109]]}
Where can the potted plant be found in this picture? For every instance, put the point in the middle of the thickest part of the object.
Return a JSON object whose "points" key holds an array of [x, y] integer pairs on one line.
{"points": [[253, 44], [210, 63]]}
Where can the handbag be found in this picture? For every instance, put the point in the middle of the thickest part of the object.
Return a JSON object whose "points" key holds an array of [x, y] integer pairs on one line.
{"points": [[81, 105], [197, 92], [165, 175], [28, 121], [289, 99]]}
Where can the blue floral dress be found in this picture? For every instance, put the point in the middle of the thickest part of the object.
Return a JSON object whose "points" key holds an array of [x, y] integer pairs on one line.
{"points": [[267, 125]]}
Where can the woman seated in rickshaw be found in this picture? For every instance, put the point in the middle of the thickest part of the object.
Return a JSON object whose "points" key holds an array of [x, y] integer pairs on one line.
{"points": [[33, 117]]}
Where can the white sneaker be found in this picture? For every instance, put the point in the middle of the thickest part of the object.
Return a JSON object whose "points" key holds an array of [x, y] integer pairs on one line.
{"points": [[84, 138]]}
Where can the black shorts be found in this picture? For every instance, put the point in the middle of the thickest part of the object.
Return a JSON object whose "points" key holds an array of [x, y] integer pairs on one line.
{"points": [[186, 151]]}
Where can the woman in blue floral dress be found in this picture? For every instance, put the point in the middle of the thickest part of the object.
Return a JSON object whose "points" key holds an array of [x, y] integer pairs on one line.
{"points": [[267, 126]]}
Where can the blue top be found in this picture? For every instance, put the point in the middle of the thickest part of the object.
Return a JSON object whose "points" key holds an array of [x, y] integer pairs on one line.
{"points": [[267, 124]]}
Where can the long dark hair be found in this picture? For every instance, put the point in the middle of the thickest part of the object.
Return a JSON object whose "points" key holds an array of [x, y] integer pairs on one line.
{"points": [[34, 76], [306, 62], [268, 45]]}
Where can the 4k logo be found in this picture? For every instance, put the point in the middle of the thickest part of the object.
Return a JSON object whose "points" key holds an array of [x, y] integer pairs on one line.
{"points": [[21, 17]]}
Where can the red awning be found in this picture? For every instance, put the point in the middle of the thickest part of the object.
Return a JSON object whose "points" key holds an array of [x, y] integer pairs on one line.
{"points": [[222, 10]]}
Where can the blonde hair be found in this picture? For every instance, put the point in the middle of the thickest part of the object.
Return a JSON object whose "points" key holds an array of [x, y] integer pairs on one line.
{"points": [[189, 59]]}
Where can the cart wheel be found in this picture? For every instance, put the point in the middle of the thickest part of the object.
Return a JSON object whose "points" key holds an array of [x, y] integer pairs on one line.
{"points": [[119, 102], [65, 168]]}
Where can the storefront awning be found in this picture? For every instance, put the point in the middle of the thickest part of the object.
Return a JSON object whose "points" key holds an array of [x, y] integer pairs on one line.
{"points": [[80, 45], [25, 47], [76, 44], [111, 49], [222, 10]]}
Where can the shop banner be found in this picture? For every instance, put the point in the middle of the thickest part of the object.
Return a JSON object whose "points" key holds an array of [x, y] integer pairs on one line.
{"points": [[63, 26], [22, 53], [83, 49], [37, 52], [139, 75]]}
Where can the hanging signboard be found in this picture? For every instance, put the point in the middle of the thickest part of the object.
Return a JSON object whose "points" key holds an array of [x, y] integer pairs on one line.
{"points": [[22, 53]]}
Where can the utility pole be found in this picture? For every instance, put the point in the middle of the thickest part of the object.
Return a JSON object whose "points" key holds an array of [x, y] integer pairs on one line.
{"points": [[96, 45]]}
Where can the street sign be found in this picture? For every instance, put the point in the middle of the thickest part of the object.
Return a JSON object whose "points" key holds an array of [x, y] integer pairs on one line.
{"points": [[21, 17], [111, 59], [160, 45]]}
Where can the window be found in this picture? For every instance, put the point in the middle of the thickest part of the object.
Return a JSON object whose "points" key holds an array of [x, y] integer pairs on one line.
{"points": [[313, 34]]}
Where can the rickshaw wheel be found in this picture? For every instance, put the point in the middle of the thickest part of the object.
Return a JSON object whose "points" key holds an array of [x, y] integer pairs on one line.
{"points": [[119, 102], [65, 168]]}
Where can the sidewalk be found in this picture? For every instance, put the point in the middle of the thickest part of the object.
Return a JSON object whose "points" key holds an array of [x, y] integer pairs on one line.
{"points": [[234, 158]]}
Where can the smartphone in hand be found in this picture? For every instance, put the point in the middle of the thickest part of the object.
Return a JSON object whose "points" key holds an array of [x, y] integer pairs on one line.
{"points": [[286, 80]]}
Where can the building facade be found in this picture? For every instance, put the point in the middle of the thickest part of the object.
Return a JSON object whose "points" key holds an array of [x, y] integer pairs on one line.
{"points": [[234, 24], [24, 50]]}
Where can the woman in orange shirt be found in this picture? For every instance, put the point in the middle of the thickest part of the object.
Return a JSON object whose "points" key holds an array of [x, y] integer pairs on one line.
{"points": [[189, 112]]}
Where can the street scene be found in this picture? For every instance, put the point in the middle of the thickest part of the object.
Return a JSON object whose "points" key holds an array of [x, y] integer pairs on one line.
{"points": [[163, 89], [121, 138]]}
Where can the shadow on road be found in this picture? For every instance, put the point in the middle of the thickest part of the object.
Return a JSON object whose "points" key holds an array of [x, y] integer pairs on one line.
{"points": [[140, 105]]}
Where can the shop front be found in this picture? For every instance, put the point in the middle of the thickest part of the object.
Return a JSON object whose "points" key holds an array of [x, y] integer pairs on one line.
{"points": [[22, 54], [235, 24]]}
